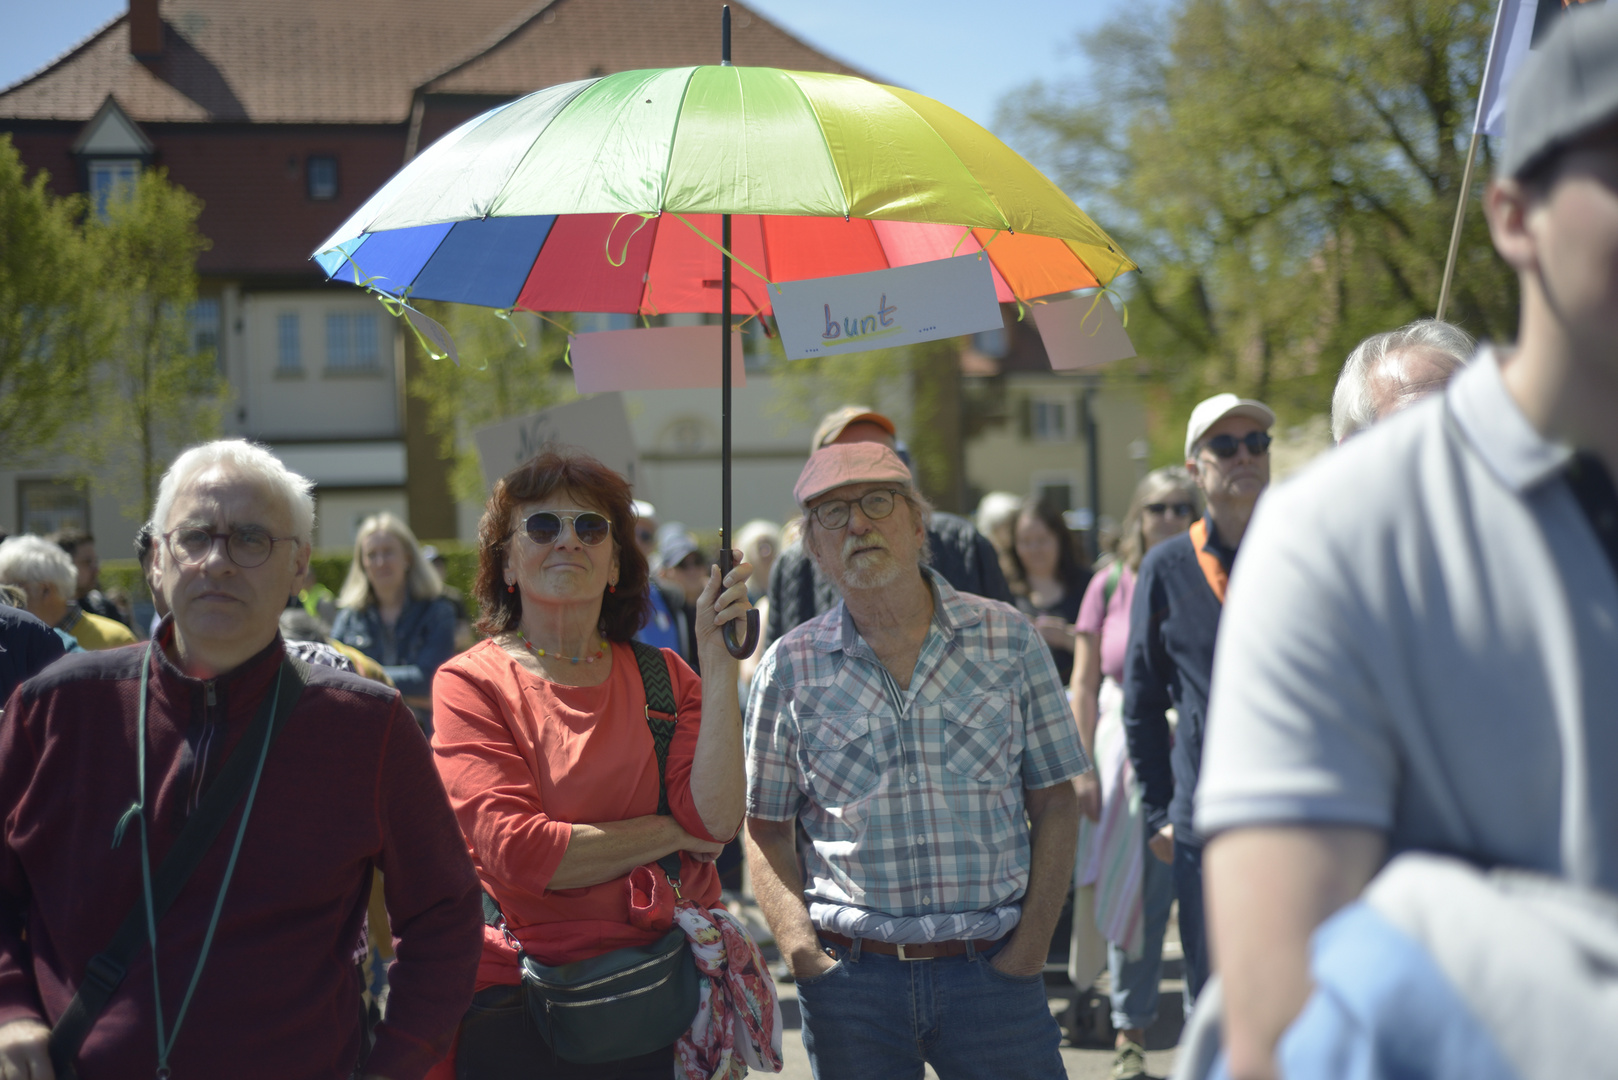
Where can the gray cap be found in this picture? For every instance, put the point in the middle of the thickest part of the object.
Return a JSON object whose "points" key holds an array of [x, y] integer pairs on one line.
{"points": [[1567, 87]]}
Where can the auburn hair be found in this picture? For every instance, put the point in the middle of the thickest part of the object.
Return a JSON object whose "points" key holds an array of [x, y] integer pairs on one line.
{"points": [[623, 612]]}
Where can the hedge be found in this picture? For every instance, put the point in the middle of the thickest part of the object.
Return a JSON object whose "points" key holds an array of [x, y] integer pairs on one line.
{"points": [[461, 565]]}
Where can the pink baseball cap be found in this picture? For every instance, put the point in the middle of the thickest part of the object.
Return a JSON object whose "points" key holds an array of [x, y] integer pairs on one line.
{"points": [[848, 463]]}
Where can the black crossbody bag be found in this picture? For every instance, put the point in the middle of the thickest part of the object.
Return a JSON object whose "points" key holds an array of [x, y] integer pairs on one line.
{"points": [[630, 1001], [105, 971]]}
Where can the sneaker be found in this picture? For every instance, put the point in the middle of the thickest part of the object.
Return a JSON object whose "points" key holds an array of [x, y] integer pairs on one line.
{"points": [[1129, 1063]]}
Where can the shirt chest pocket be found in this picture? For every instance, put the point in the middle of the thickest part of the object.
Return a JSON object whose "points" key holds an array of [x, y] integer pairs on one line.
{"points": [[982, 739], [839, 758]]}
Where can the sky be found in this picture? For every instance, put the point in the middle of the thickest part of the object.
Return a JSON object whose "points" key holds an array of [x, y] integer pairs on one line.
{"points": [[966, 53]]}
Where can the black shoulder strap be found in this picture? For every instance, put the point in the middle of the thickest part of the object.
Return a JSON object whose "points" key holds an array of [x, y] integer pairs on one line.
{"points": [[654, 677], [106, 970]]}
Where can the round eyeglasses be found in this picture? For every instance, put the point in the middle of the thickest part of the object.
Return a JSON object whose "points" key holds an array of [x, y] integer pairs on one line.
{"points": [[875, 505], [545, 527], [247, 547]]}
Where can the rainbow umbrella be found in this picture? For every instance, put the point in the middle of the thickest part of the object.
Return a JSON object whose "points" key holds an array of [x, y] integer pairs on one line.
{"points": [[618, 194]]}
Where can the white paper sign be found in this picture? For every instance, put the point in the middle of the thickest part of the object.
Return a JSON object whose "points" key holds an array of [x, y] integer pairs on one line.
{"points": [[598, 425], [1081, 332], [653, 358], [886, 308]]}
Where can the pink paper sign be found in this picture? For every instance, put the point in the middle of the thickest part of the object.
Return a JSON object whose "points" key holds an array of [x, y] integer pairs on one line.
{"points": [[653, 358], [1082, 332]]}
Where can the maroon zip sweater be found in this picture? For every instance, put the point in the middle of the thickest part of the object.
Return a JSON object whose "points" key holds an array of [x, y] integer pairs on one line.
{"points": [[349, 784]]}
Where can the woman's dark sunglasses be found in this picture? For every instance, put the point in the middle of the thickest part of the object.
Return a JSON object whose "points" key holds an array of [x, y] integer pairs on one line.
{"points": [[546, 528], [1179, 509], [1257, 443]]}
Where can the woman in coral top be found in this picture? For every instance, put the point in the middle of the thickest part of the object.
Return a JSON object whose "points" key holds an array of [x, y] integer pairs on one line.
{"points": [[542, 742]]}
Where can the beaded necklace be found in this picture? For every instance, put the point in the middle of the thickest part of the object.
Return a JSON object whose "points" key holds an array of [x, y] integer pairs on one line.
{"points": [[601, 650]]}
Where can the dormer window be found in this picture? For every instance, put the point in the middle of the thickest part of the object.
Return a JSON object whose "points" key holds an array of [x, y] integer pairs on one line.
{"points": [[111, 150]]}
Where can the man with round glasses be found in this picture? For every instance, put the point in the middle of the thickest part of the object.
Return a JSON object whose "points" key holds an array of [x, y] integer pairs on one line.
{"points": [[1174, 619], [109, 762], [921, 739]]}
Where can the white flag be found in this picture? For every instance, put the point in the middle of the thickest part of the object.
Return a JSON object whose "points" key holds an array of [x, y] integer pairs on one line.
{"points": [[1517, 28]]}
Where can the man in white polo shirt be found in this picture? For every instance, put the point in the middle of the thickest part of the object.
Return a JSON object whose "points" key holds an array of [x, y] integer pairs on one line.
{"points": [[1420, 648]]}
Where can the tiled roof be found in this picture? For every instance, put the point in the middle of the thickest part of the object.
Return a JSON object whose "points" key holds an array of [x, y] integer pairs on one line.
{"points": [[361, 61], [577, 39]]}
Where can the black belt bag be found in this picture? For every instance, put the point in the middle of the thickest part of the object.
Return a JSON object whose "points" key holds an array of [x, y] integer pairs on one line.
{"points": [[630, 1001], [622, 1004]]}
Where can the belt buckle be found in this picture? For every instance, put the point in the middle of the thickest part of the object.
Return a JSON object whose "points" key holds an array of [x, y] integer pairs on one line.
{"points": [[910, 959]]}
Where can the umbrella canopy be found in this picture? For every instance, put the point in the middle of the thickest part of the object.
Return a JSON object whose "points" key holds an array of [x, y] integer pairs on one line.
{"points": [[562, 200]]}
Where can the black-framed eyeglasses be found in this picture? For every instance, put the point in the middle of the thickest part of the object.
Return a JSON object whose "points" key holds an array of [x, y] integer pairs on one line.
{"points": [[875, 505], [1257, 443], [545, 527], [1178, 509], [247, 547]]}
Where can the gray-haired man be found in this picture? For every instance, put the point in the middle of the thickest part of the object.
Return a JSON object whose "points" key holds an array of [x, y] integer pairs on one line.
{"points": [[920, 738], [106, 761], [1393, 370]]}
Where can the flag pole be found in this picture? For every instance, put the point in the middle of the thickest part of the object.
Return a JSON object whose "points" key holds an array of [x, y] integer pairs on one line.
{"points": [[1471, 158]]}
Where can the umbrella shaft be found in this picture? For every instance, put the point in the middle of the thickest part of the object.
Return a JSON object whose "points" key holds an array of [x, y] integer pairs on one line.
{"points": [[724, 392]]}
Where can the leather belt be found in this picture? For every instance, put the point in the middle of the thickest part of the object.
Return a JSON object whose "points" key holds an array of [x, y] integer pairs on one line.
{"points": [[929, 950]]}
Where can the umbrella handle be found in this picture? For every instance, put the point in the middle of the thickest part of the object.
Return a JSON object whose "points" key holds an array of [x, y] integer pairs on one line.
{"points": [[743, 648]]}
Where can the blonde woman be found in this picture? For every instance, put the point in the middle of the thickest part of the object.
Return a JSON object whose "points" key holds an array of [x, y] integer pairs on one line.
{"points": [[391, 609], [1133, 888]]}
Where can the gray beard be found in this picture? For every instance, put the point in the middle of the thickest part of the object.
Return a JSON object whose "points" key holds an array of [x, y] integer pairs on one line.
{"points": [[875, 573]]}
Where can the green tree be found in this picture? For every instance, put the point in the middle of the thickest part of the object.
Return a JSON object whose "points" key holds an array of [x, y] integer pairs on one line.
{"points": [[1286, 176], [50, 322], [156, 391], [508, 368]]}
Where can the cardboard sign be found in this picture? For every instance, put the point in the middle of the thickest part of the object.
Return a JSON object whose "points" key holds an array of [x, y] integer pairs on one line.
{"points": [[886, 308], [1082, 332], [598, 425], [653, 358]]}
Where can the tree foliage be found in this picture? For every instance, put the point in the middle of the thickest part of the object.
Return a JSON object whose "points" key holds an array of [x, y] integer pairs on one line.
{"points": [[50, 322], [156, 390], [1285, 174], [508, 368]]}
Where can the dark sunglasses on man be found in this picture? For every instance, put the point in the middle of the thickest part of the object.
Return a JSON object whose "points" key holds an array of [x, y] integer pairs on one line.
{"points": [[546, 528], [1224, 446]]}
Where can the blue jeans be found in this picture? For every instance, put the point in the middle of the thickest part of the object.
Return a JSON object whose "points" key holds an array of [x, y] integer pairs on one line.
{"points": [[1134, 982], [881, 1018], [1193, 935]]}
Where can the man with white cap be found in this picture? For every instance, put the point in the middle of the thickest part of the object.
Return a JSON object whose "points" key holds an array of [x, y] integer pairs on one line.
{"points": [[1428, 665], [1172, 625], [921, 739]]}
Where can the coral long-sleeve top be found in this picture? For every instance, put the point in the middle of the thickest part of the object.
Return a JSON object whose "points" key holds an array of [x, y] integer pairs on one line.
{"points": [[524, 759]]}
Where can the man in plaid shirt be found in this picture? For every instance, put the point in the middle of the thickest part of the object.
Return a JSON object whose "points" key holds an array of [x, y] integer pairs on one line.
{"points": [[922, 740]]}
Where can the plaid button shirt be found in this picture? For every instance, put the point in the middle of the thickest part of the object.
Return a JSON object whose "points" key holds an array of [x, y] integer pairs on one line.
{"points": [[912, 800]]}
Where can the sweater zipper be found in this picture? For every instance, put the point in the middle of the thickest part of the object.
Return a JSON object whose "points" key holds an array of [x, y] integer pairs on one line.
{"points": [[210, 731]]}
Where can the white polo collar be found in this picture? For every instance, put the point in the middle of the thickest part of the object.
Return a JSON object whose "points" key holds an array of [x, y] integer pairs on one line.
{"points": [[1498, 431]]}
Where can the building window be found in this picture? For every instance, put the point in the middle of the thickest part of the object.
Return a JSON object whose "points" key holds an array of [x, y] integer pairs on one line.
{"points": [[203, 320], [288, 344], [352, 343], [112, 178], [44, 506], [1049, 420], [322, 172]]}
